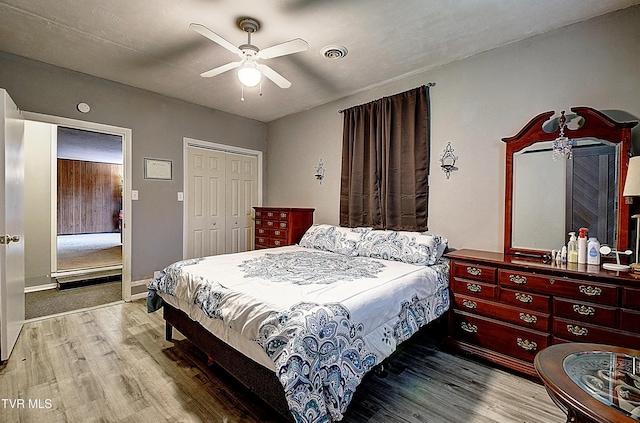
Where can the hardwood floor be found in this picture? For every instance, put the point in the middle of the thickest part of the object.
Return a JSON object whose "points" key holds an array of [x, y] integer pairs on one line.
{"points": [[112, 364]]}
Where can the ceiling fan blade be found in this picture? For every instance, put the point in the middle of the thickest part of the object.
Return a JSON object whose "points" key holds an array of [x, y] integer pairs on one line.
{"points": [[278, 79], [288, 47], [220, 69], [203, 30]]}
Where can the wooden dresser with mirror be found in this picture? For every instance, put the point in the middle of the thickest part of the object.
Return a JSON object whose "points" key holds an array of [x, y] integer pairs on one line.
{"points": [[507, 306]]}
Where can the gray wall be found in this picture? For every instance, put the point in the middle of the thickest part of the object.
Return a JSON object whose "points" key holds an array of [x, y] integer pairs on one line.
{"points": [[158, 126], [477, 101]]}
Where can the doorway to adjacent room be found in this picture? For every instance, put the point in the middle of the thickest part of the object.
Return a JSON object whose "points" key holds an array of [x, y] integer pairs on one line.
{"points": [[76, 254]]}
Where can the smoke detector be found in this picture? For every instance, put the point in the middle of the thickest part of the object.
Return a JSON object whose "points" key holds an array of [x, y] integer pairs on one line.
{"points": [[334, 52]]}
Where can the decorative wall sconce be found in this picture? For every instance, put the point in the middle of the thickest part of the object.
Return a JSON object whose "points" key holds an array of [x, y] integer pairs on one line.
{"points": [[448, 160], [562, 145], [320, 169]]}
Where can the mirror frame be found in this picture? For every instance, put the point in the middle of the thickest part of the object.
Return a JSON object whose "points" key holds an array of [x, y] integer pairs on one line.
{"points": [[595, 125]]}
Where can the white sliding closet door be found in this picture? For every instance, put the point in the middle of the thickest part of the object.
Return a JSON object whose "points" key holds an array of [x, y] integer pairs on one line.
{"points": [[222, 188]]}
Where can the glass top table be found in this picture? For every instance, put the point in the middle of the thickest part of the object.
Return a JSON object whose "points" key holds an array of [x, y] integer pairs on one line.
{"points": [[592, 382], [611, 378]]}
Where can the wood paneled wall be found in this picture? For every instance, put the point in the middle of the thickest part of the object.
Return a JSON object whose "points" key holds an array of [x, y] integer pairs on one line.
{"points": [[89, 196]]}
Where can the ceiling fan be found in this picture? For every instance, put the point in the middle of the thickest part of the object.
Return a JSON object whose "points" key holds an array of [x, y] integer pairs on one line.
{"points": [[250, 73]]}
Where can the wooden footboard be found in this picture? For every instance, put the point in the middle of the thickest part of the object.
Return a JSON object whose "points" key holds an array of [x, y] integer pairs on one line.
{"points": [[255, 377]]}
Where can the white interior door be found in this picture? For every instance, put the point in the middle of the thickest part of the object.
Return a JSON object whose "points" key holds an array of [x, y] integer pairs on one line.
{"points": [[242, 195], [205, 202], [11, 226]]}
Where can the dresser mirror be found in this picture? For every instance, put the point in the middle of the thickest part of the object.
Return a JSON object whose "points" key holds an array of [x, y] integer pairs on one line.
{"points": [[564, 173]]}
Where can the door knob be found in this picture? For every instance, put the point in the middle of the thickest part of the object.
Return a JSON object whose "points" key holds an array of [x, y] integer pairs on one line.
{"points": [[6, 239]]}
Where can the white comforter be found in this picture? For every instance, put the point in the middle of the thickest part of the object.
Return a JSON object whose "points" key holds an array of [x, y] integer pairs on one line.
{"points": [[324, 319]]}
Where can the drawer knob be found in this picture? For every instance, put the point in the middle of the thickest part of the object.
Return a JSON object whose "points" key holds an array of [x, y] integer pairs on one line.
{"points": [[469, 304], [474, 271], [474, 287], [584, 310], [590, 290], [577, 330], [468, 327], [524, 298], [518, 279], [528, 318], [527, 345]]}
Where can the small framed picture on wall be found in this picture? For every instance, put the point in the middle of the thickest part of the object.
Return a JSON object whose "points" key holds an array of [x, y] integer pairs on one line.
{"points": [[158, 169]]}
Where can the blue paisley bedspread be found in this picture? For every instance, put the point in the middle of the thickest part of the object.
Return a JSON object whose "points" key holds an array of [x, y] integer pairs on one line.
{"points": [[324, 319]]}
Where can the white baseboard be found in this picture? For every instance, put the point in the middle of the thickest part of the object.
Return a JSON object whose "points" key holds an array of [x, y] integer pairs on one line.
{"points": [[37, 288]]}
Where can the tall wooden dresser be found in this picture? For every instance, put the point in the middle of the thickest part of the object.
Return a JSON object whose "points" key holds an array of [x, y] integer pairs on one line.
{"points": [[280, 226], [506, 309]]}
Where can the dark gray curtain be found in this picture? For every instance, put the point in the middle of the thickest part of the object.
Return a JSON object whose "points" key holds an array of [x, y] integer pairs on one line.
{"points": [[385, 163]]}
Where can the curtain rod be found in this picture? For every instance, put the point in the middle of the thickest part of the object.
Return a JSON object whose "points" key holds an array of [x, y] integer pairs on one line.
{"points": [[428, 84]]}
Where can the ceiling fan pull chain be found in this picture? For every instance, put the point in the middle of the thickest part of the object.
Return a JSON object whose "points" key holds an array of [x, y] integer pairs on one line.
{"points": [[242, 96], [260, 88]]}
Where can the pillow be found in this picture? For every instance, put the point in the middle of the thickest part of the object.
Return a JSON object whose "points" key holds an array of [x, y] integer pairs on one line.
{"points": [[334, 239], [421, 248]]}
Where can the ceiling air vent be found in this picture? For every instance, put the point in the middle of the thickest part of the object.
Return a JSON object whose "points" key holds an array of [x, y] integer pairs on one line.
{"points": [[334, 52]]}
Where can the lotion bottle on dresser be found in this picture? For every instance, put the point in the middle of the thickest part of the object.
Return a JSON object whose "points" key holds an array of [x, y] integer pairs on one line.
{"points": [[582, 246], [593, 251]]}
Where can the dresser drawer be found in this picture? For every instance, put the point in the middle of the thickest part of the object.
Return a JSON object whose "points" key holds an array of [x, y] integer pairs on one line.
{"points": [[584, 332], [278, 233], [277, 242], [585, 312], [475, 288], [584, 290], [498, 336], [631, 297], [260, 231], [474, 271], [279, 224], [262, 240], [525, 299], [275, 214], [518, 316], [630, 321]]}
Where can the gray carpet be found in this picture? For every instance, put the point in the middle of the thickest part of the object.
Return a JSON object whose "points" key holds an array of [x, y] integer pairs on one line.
{"points": [[52, 301], [89, 250]]}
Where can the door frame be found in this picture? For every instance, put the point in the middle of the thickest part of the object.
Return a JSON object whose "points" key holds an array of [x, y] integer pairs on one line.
{"points": [[192, 142], [125, 133]]}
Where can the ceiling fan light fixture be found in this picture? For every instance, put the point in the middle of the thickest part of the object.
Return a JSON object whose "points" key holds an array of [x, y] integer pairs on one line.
{"points": [[249, 75]]}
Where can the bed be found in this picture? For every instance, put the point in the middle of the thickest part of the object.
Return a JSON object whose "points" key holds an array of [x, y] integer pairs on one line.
{"points": [[301, 325]]}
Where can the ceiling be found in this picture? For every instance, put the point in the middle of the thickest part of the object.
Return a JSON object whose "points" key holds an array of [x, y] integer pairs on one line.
{"points": [[149, 45], [76, 144]]}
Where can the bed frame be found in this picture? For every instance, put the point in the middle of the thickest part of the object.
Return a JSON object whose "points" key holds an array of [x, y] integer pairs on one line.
{"points": [[258, 379]]}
